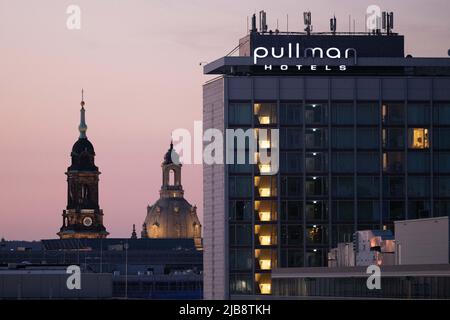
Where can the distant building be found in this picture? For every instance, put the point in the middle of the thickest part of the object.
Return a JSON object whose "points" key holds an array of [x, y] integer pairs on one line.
{"points": [[172, 216], [83, 217], [136, 268], [27, 281]]}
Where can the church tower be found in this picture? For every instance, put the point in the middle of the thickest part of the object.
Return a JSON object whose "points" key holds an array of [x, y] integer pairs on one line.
{"points": [[83, 217], [172, 216]]}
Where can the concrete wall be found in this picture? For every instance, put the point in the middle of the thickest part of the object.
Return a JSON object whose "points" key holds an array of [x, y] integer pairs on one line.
{"points": [[422, 241], [215, 217]]}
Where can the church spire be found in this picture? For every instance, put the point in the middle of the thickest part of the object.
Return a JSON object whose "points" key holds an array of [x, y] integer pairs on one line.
{"points": [[82, 127]]}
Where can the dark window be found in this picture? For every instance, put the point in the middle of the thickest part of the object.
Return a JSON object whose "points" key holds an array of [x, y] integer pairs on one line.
{"points": [[240, 259], [291, 113], [369, 211], [393, 186], [419, 209], [441, 113], [442, 162], [342, 138], [418, 113], [342, 162], [441, 140], [240, 210], [368, 187], [367, 113], [292, 210], [342, 187], [291, 162], [291, 186], [316, 210], [240, 187], [342, 113], [316, 113], [441, 208], [394, 162], [367, 162], [393, 138], [240, 234], [316, 186], [343, 210], [316, 138], [393, 113], [316, 162], [367, 138], [240, 113], [290, 138], [418, 162], [292, 234], [393, 210], [442, 186]]}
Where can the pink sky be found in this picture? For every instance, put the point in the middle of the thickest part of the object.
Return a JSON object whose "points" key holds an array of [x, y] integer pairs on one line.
{"points": [[138, 62]]}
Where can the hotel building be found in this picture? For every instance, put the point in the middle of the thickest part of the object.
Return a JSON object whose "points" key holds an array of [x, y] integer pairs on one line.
{"points": [[358, 149]]}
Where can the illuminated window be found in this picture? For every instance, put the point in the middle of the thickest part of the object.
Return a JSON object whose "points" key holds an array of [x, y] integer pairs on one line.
{"points": [[264, 215], [264, 119], [265, 113], [265, 264], [265, 288], [264, 192], [265, 168], [418, 138], [264, 144], [265, 240]]}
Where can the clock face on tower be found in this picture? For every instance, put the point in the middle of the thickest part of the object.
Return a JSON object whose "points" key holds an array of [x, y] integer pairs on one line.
{"points": [[87, 221]]}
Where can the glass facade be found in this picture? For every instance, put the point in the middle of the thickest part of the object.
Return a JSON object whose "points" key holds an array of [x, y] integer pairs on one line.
{"points": [[344, 166]]}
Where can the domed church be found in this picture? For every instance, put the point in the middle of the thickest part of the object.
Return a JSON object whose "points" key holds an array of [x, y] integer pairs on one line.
{"points": [[172, 216]]}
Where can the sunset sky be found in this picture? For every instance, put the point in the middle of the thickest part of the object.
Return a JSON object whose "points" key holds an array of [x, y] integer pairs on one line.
{"points": [[138, 62]]}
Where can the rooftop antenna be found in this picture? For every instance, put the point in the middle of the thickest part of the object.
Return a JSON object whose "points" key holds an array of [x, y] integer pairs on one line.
{"points": [[349, 23], [248, 29], [387, 23], [262, 21], [333, 25], [277, 30], [307, 22], [287, 23], [253, 24]]}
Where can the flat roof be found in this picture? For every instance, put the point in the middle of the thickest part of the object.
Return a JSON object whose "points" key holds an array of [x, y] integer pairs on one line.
{"points": [[360, 271], [420, 220]]}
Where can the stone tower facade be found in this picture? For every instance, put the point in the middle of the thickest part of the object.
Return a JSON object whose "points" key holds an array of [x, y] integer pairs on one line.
{"points": [[83, 217]]}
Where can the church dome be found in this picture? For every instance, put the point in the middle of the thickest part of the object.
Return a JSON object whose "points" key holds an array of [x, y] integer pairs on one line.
{"points": [[171, 156], [171, 216], [83, 156], [83, 145]]}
